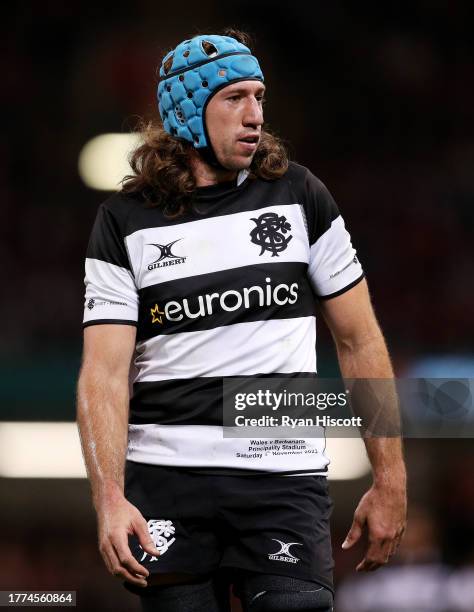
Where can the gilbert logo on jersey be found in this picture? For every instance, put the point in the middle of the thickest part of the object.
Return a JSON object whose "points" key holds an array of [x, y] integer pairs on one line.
{"points": [[228, 301], [166, 258]]}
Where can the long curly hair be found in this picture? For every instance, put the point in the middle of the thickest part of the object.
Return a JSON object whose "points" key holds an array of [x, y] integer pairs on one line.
{"points": [[161, 166]]}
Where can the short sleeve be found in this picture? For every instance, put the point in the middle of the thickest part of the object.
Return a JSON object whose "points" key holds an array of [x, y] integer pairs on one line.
{"points": [[111, 294], [333, 264]]}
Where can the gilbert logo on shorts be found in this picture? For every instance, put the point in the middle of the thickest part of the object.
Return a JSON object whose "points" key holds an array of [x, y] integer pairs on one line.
{"points": [[284, 553], [161, 531]]}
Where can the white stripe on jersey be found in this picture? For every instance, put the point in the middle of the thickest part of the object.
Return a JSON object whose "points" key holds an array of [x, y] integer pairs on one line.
{"points": [[332, 266], [242, 349], [204, 446], [110, 292], [213, 244]]}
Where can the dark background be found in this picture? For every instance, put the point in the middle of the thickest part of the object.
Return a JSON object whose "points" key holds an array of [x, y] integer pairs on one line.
{"points": [[377, 99]]}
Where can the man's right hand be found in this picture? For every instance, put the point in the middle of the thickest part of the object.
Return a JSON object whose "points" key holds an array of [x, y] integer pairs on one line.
{"points": [[117, 518]]}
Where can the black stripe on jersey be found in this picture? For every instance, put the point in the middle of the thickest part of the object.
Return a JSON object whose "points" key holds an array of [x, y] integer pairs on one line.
{"points": [[319, 206], [110, 321], [185, 401], [238, 295], [213, 201], [130, 212], [106, 241], [343, 290]]}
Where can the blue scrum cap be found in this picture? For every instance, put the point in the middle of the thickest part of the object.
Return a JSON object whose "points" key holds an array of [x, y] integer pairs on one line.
{"points": [[191, 74]]}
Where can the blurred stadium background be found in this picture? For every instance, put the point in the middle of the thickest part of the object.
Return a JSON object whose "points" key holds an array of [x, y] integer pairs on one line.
{"points": [[377, 99]]}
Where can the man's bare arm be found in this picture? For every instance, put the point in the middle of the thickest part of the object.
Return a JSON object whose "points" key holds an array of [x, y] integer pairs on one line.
{"points": [[102, 417], [362, 354], [102, 404]]}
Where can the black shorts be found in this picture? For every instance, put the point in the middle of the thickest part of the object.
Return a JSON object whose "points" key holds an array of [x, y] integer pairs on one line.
{"points": [[203, 522]]}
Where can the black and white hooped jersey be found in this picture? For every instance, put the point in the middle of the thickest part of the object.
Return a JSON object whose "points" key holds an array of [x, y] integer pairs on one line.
{"points": [[227, 290]]}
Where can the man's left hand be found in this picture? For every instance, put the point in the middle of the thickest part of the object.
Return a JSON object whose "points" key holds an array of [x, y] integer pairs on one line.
{"points": [[383, 511]]}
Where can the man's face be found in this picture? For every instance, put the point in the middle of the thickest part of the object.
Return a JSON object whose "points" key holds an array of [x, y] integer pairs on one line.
{"points": [[234, 116]]}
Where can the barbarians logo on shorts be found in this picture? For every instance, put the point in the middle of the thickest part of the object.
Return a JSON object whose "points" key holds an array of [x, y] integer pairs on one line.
{"points": [[166, 258], [269, 233], [160, 531], [284, 553]]}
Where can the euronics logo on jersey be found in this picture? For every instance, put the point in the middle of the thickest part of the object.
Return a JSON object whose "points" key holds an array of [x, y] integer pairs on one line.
{"points": [[228, 301], [284, 553], [167, 257]]}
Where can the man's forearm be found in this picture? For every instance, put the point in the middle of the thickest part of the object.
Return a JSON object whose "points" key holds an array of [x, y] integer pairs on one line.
{"points": [[102, 417], [377, 402]]}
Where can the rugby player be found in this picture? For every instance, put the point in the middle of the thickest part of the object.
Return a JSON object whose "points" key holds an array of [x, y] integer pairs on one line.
{"points": [[208, 264]]}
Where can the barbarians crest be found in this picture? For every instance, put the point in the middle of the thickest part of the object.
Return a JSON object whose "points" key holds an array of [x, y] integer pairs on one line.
{"points": [[161, 532], [269, 233]]}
